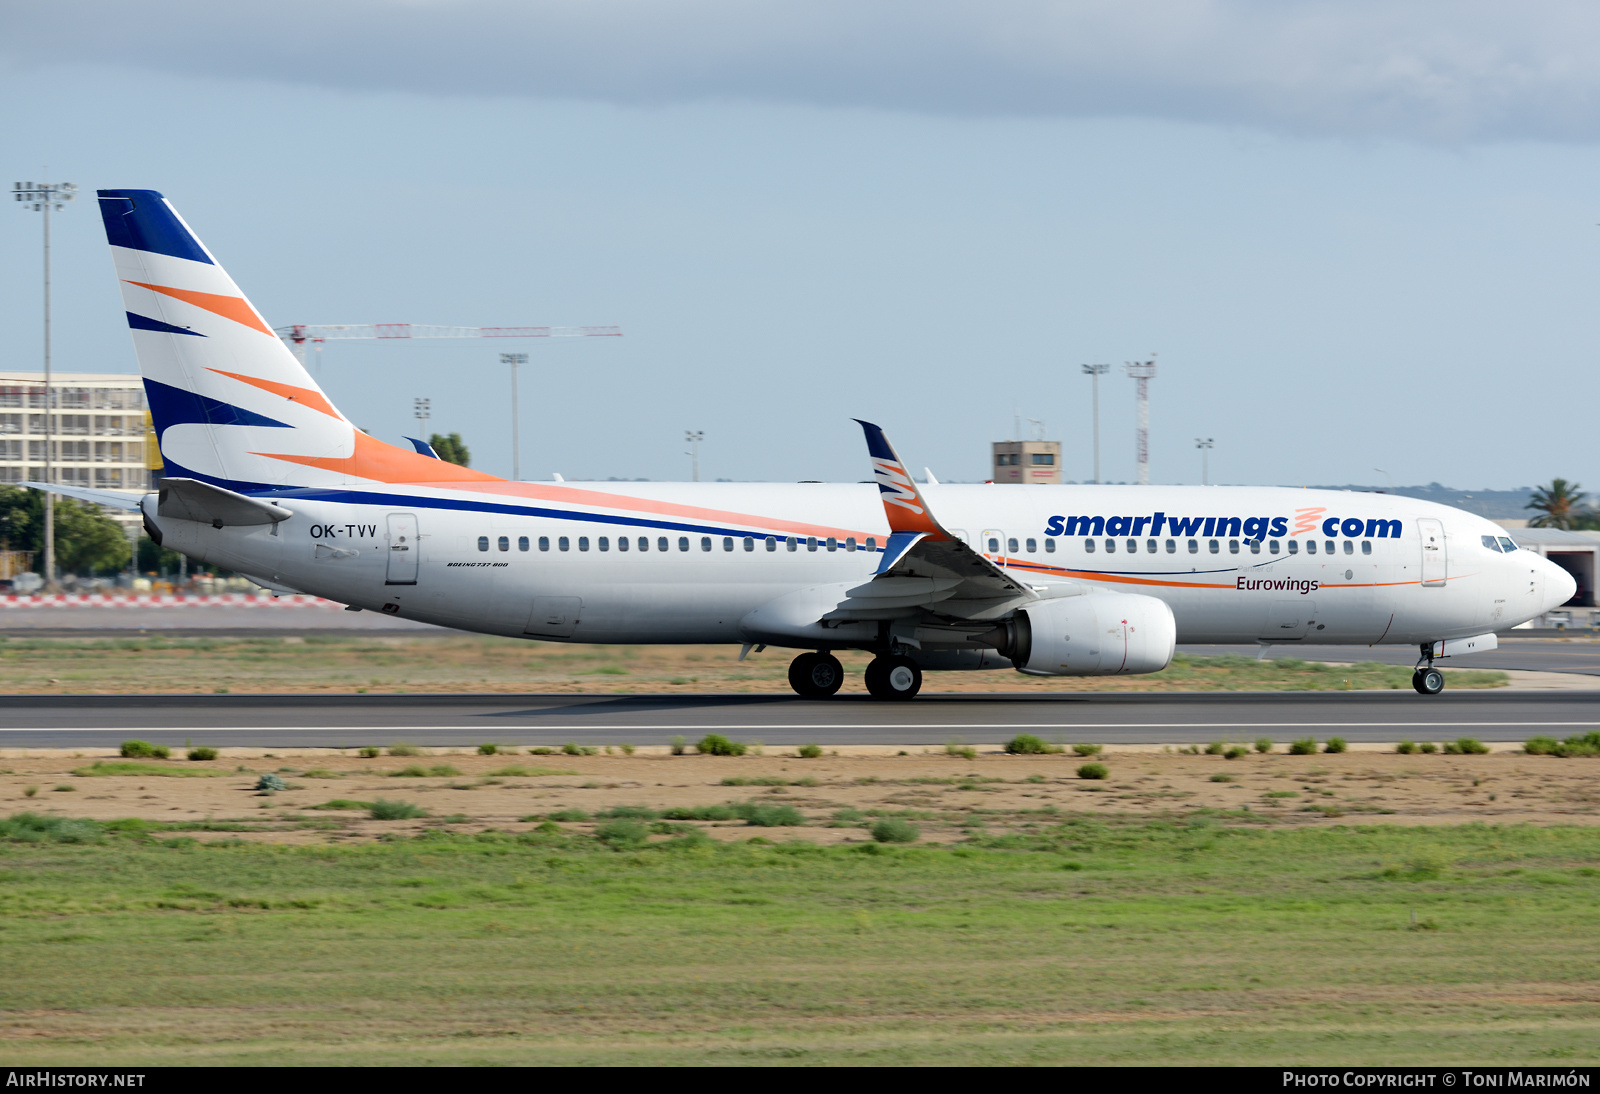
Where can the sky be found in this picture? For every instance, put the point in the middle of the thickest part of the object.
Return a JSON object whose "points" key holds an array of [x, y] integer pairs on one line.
{"points": [[1355, 236]]}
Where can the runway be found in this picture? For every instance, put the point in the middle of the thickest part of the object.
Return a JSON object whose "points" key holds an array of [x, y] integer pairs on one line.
{"points": [[466, 720], [1543, 654]]}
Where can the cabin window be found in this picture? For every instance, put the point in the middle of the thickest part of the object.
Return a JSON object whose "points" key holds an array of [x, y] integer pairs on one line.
{"points": [[483, 543], [705, 543], [622, 543], [1049, 546], [749, 543], [811, 543], [1214, 546], [564, 543], [661, 544], [994, 546], [1328, 547], [544, 543], [727, 543], [872, 543], [1150, 546], [1272, 547], [1255, 546], [1011, 545], [1294, 546], [522, 543], [1033, 546], [683, 543], [1349, 546], [792, 543], [505, 543], [772, 543], [583, 543], [833, 544], [605, 543], [850, 543], [1111, 546], [1233, 546], [1172, 546], [1088, 545], [644, 543], [1194, 546], [1366, 546], [1311, 546]]}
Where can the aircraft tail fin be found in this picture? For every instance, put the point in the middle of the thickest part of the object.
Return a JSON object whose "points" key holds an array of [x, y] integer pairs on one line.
{"points": [[231, 405]]}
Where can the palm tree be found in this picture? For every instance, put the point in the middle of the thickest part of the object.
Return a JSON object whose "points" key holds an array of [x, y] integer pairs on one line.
{"points": [[1560, 506]]}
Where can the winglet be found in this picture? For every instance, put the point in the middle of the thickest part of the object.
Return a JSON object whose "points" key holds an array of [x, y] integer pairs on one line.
{"points": [[423, 447], [902, 501]]}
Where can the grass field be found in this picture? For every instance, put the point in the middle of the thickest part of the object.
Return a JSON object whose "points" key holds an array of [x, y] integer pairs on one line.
{"points": [[448, 662], [1083, 940]]}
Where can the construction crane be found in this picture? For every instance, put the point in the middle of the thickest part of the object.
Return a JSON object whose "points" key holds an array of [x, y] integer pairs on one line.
{"points": [[300, 335]]}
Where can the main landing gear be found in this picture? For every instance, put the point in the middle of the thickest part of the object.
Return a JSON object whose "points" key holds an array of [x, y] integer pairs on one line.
{"points": [[889, 676], [1427, 680], [816, 675]]}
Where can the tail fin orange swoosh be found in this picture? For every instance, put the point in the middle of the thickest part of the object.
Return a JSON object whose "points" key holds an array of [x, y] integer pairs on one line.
{"points": [[902, 501]]}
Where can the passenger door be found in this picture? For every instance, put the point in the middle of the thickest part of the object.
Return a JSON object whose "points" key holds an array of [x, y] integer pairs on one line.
{"points": [[403, 554], [993, 545], [554, 616], [1435, 563]]}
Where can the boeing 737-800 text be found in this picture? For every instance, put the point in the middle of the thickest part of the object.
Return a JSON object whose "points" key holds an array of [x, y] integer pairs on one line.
{"points": [[265, 476]]}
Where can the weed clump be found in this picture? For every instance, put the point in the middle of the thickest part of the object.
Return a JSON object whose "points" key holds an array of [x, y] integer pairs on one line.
{"points": [[715, 744], [343, 803], [404, 750], [1235, 752], [764, 815], [679, 746], [622, 834], [1305, 746], [808, 752], [1336, 744], [629, 812], [203, 752], [895, 830], [1263, 745], [384, 809], [569, 815], [144, 750], [1428, 748], [1093, 771], [699, 813], [271, 782], [1465, 746], [1086, 750], [369, 752], [1406, 748], [956, 748], [1587, 744], [1216, 748], [488, 749], [572, 749], [1219, 777], [31, 790], [34, 828], [1026, 744]]}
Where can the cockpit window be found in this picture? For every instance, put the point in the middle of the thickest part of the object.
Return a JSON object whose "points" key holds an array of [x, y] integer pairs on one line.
{"points": [[1507, 545], [1491, 543]]}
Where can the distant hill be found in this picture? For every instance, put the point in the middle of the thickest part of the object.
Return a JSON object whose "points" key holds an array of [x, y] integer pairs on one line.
{"points": [[1494, 504]]}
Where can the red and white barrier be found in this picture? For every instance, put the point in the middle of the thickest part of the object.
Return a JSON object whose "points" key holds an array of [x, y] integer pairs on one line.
{"points": [[167, 600]]}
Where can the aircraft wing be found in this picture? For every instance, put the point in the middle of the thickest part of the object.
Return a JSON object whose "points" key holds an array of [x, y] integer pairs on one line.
{"points": [[924, 565], [112, 499]]}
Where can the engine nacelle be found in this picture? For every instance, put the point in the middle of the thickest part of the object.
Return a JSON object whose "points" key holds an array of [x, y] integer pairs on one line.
{"points": [[1102, 634]]}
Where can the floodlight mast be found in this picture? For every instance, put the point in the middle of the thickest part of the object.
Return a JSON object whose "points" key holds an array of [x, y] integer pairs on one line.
{"points": [[1204, 444], [45, 197], [1096, 371], [694, 437], [1142, 373], [514, 359]]}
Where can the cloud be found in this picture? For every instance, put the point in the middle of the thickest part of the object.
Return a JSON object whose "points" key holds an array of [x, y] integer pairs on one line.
{"points": [[1432, 71]]}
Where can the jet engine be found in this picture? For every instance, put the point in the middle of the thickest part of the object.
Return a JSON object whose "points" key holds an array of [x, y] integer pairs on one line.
{"points": [[1101, 634]]}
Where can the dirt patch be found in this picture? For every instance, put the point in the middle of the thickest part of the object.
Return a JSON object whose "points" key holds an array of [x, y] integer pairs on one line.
{"points": [[839, 795]]}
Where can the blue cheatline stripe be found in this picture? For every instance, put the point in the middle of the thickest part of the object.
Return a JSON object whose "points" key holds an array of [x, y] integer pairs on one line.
{"points": [[170, 406], [463, 505], [142, 221], [144, 322]]}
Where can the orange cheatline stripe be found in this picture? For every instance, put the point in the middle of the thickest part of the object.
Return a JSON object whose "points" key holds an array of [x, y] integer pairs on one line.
{"points": [[302, 395], [236, 308], [599, 499], [385, 463]]}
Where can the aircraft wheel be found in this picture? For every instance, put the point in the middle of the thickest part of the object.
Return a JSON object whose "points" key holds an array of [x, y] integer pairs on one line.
{"points": [[1428, 681], [894, 678], [816, 675]]}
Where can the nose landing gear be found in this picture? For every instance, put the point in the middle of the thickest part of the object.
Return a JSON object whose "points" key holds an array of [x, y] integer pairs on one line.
{"points": [[816, 675], [1427, 680]]}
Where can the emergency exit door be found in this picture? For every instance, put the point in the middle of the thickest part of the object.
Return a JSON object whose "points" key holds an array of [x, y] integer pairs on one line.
{"points": [[1435, 558], [402, 566]]}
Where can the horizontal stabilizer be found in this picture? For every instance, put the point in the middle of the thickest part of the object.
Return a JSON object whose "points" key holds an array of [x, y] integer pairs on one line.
{"points": [[109, 498], [190, 499]]}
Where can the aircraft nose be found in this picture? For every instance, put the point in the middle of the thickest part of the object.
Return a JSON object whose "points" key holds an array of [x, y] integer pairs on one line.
{"points": [[1559, 586]]}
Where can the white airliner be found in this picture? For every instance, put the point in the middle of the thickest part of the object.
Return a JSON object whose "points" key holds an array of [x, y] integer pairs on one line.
{"points": [[264, 476]]}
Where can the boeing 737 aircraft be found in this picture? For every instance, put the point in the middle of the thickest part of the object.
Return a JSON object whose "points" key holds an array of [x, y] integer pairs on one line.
{"points": [[266, 477]]}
